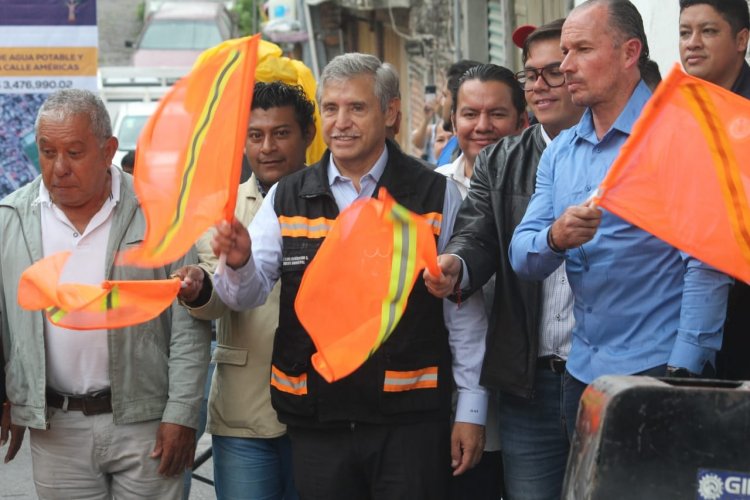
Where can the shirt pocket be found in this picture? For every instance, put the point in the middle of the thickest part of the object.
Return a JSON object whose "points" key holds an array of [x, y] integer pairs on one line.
{"points": [[228, 355], [568, 198]]}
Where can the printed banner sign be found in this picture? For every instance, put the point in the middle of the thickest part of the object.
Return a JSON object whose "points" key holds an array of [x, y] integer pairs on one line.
{"points": [[47, 45]]}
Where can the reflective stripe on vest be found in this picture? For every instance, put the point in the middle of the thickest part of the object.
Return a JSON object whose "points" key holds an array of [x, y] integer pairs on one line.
{"points": [[287, 383], [302, 227], [435, 220], [397, 381]]}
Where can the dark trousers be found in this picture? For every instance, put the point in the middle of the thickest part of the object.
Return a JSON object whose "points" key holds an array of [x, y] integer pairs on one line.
{"points": [[372, 462], [482, 482]]}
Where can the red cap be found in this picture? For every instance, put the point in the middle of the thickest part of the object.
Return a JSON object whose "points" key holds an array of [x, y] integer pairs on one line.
{"points": [[521, 33]]}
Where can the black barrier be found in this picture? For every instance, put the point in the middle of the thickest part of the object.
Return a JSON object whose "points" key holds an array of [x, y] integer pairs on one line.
{"points": [[647, 438]]}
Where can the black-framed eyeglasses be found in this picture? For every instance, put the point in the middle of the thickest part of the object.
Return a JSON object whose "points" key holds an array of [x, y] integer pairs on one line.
{"points": [[551, 75]]}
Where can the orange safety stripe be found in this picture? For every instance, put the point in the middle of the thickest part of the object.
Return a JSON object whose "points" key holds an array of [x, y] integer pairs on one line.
{"points": [[302, 227], [288, 383], [435, 220], [399, 381]]}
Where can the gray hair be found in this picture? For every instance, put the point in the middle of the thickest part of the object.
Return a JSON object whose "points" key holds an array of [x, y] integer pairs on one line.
{"points": [[70, 102], [354, 64], [627, 21]]}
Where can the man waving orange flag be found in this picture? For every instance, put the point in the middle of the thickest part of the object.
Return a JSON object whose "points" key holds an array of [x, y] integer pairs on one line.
{"points": [[355, 290], [684, 173]]}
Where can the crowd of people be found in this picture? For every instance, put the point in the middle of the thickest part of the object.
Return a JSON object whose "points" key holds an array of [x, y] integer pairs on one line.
{"points": [[475, 394]]}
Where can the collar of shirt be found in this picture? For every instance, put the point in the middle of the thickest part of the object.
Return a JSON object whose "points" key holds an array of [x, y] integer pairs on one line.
{"points": [[545, 136], [624, 123], [334, 175], [343, 188], [458, 171], [260, 187]]}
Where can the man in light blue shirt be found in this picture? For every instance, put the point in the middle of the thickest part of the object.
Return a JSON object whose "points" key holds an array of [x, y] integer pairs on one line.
{"points": [[641, 306]]}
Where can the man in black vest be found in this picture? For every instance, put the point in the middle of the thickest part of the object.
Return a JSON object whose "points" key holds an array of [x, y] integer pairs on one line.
{"points": [[357, 437], [713, 43]]}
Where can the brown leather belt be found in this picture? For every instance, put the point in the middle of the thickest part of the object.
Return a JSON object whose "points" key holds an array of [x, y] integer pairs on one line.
{"points": [[95, 403], [553, 363]]}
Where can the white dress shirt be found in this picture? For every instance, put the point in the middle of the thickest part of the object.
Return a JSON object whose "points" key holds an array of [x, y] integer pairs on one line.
{"points": [[557, 321]]}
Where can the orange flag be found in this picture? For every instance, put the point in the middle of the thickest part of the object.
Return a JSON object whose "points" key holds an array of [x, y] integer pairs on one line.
{"points": [[189, 154], [355, 290], [113, 304], [684, 173]]}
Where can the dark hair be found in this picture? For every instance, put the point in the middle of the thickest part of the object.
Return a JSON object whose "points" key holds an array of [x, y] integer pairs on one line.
{"points": [[624, 18], [128, 161], [493, 73], [456, 71], [278, 94], [735, 12], [549, 31], [650, 74]]}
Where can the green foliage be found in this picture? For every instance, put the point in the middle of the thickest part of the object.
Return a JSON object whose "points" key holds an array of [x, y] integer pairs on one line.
{"points": [[141, 11], [247, 15]]}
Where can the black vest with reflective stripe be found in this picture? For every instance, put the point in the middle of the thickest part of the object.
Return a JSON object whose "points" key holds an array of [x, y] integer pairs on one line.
{"points": [[409, 378]]}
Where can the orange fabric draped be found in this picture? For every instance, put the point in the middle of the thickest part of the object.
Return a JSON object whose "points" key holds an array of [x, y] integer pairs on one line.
{"points": [[356, 289], [189, 154], [113, 304], [684, 173]]}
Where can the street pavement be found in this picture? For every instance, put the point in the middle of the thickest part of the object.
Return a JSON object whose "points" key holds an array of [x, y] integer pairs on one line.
{"points": [[16, 481]]}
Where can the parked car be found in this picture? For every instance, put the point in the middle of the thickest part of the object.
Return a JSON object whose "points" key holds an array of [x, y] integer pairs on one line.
{"points": [[151, 6], [129, 121], [179, 31]]}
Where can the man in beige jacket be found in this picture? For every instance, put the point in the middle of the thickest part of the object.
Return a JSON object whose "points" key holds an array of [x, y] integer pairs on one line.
{"points": [[251, 452]]}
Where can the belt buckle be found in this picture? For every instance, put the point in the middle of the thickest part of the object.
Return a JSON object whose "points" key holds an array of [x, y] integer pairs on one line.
{"points": [[85, 407], [93, 399], [557, 365]]}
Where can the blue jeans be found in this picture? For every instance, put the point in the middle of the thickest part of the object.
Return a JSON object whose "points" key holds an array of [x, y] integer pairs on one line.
{"points": [[255, 468], [534, 440]]}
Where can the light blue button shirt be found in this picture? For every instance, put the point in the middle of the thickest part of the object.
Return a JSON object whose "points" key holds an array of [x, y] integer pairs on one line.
{"points": [[467, 325], [639, 303]]}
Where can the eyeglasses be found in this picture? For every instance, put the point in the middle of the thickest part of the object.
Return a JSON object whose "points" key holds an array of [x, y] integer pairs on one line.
{"points": [[551, 75]]}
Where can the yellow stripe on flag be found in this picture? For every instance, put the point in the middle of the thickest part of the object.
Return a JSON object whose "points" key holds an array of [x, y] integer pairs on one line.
{"points": [[196, 142]]}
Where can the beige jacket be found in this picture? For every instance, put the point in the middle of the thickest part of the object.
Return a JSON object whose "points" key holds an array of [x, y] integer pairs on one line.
{"points": [[239, 404]]}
